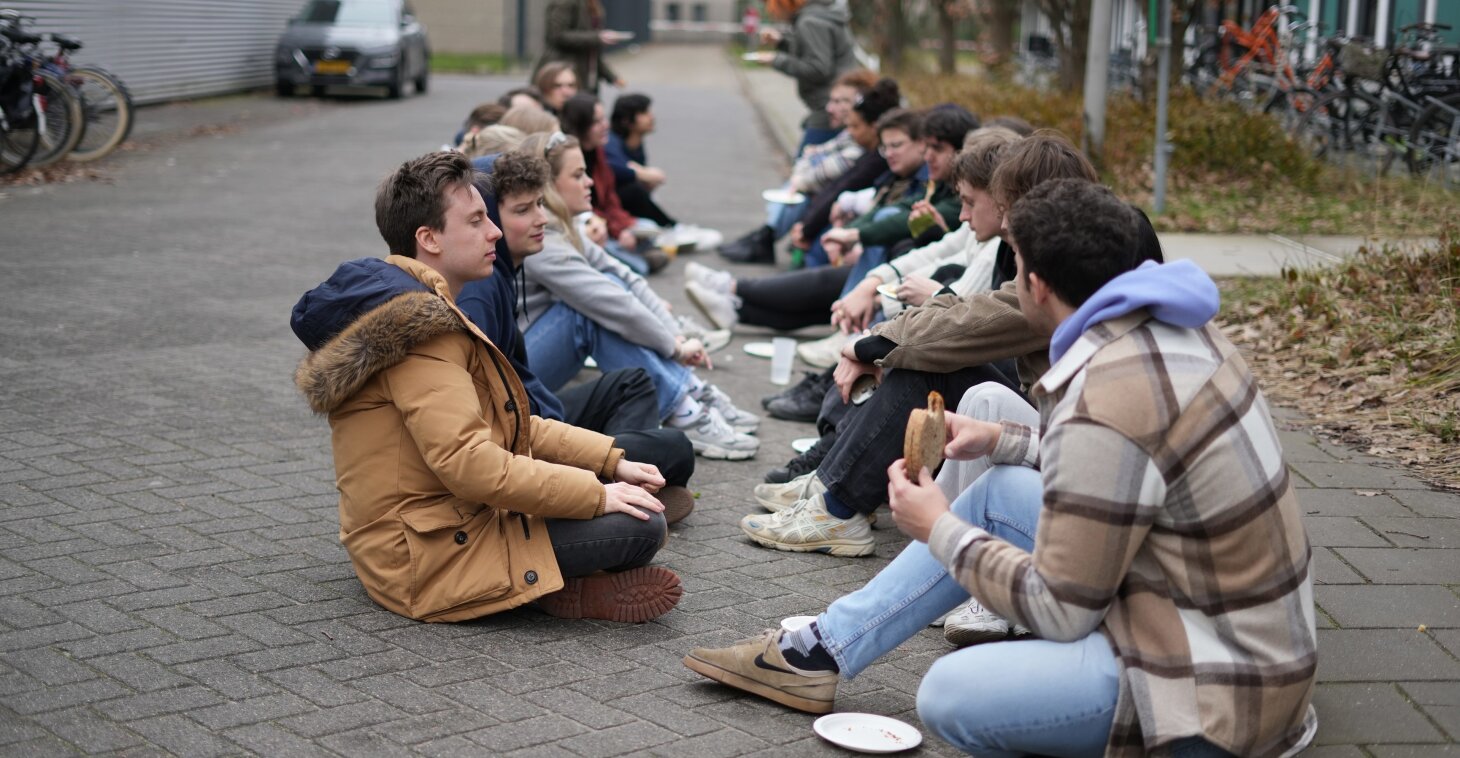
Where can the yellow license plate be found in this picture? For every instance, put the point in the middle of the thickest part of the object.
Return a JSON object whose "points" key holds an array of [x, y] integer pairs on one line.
{"points": [[332, 67]]}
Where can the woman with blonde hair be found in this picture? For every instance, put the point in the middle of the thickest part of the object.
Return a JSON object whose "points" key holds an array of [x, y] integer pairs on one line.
{"points": [[530, 120], [578, 301], [497, 138]]}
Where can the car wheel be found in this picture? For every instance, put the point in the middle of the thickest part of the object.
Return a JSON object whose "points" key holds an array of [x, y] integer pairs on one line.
{"points": [[316, 90], [423, 82], [397, 85], [283, 88]]}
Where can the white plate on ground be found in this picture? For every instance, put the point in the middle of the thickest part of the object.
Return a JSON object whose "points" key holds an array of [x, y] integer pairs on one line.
{"points": [[760, 349], [783, 196], [867, 732], [792, 623], [802, 444], [888, 290]]}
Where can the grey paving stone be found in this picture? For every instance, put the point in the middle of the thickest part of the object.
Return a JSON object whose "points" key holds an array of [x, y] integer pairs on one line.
{"points": [[1379, 655], [158, 703], [532, 732], [631, 738], [725, 742], [414, 730], [88, 731], [1334, 751], [1346, 476], [1341, 531], [62, 696], [1413, 751], [341, 718], [223, 676], [1361, 714], [178, 735], [138, 672], [1404, 565], [1419, 532], [49, 666], [591, 712], [250, 711], [1430, 502], [1440, 700], [271, 739], [1384, 606]]}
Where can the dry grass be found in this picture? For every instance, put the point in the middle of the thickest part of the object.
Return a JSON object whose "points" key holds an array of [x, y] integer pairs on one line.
{"points": [[1369, 350], [1231, 171]]}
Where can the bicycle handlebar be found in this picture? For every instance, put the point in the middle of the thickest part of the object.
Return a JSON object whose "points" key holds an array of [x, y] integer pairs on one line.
{"points": [[1426, 27]]}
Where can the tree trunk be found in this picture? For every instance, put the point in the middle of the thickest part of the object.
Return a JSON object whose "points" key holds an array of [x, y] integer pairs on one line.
{"points": [[893, 35], [948, 31], [1070, 20], [999, 17]]}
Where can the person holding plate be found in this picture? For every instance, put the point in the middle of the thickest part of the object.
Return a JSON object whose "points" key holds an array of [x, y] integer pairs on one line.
{"points": [[817, 49]]}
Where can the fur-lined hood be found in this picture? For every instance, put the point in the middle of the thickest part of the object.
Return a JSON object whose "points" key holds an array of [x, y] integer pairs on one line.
{"points": [[377, 340]]}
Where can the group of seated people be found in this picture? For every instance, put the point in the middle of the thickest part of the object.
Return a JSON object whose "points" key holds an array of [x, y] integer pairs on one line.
{"points": [[1114, 515]]}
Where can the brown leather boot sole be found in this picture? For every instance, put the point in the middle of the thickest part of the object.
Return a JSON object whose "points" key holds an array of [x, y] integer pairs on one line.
{"points": [[631, 597], [678, 502]]}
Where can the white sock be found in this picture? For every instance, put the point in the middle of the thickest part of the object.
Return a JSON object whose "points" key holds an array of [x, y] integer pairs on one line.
{"points": [[687, 413]]}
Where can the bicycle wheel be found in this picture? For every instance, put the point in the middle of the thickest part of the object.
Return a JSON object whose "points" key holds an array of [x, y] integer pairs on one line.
{"points": [[17, 144], [1289, 106], [1433, 145], [107, 106], [1342, 126], [59, 108]]}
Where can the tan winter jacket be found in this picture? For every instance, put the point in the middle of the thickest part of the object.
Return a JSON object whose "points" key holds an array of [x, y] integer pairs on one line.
{"points": [[444, 477], [949, 333]]}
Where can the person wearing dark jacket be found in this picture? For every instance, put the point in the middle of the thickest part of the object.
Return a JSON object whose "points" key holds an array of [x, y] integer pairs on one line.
{"points": [[576, 34], [818, 49], [455, 501], [622, 404]]}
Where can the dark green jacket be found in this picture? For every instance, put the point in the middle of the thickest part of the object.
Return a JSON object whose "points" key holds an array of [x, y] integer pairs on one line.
{"points": [[818, 49], [572, 38], [901, 195]]}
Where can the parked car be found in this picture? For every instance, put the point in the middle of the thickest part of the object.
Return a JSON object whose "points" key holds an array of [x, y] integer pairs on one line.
{"points": [[371, 43]]}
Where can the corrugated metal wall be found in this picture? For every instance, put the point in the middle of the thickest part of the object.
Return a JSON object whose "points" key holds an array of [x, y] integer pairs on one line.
{"points": [[169, 49]]}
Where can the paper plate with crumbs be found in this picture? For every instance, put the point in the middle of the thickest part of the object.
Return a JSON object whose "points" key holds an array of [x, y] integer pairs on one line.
{"points": [[867, 732], [783, 196]]}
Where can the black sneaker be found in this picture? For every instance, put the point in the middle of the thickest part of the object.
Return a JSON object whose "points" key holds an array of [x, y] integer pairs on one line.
{"points": [[804, 463], [755, 247], [811, 376], [802, 402]]}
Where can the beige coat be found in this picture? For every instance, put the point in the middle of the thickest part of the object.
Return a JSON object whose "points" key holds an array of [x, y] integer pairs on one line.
{"points": [[444, 477]]}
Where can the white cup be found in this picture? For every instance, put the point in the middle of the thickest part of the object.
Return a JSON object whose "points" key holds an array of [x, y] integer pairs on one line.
{"points": [[783, 353]]}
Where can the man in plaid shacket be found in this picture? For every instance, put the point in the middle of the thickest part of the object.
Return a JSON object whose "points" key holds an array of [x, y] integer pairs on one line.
{"points": [[1157, 550]]}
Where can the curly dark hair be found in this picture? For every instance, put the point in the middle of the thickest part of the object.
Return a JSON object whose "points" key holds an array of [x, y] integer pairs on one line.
{"points": [[948, 123], [415, 195], [517, 173], [1076, 236]]}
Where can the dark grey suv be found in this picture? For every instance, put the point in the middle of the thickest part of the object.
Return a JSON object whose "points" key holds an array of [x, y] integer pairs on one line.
{"points": [[371, 43]]}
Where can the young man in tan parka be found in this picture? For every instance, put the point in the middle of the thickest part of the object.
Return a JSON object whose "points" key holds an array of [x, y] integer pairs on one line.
{"points": [[455, 503]]}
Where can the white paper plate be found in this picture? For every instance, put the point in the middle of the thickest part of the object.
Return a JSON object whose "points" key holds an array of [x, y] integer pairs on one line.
{"points": [[792, 623], [760, 349], [888, 290], [867, 732], [802, 444], [784, 197], [751, 57]]}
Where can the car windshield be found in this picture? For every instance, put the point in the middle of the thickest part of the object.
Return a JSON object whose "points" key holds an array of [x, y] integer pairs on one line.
{"points": [[349, 12]]}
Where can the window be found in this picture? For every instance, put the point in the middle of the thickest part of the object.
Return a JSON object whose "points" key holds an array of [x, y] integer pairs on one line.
{"points": [[672, 11], [699, 12]]}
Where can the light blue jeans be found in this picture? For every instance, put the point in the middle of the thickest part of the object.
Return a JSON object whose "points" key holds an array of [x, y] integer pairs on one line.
{"points": [[781, 217], [559, 340], [996, 699]]}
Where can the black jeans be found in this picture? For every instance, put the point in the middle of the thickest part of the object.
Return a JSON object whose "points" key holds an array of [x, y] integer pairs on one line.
{"points": [[793, 299], [870, 436], [637, 201], [622, 404], [611, 542]]}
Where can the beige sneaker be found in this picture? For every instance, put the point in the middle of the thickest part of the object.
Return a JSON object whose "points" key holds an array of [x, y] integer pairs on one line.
{"points": [[757, 666], [806, 527], [822, 353], [778, 497]]}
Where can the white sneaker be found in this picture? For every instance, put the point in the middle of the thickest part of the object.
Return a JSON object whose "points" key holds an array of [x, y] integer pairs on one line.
{"points": [[779, 497], [713, 438], [973, 624], [691, 237], [822, 353], [713, 397], [711, 278], [714, 339], [721, 309], [806, 527]]}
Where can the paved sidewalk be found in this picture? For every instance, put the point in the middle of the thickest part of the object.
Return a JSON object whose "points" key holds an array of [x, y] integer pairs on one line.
{"points": [[171, 581]]}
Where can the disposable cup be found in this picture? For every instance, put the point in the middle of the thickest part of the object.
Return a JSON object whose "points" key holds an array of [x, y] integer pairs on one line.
{"points": [[783, 353]]}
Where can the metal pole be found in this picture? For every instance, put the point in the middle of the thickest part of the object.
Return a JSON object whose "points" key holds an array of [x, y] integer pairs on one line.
{"points": [[1163, 98], [1097, 70]]}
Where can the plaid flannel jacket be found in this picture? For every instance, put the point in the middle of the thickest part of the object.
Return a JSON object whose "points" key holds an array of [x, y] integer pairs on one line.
{"points": [[1170, 525]]}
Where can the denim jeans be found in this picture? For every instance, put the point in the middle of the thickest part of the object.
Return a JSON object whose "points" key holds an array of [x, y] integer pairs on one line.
{"points": [[631, 258], [781, 217], [989, 401], [559, 340], [1003, 698]]}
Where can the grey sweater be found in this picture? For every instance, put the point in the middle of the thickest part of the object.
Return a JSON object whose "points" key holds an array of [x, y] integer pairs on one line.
{"points": [[817, 51], [589, 283]]}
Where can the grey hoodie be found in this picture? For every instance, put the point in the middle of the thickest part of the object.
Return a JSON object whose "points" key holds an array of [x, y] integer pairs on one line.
{"points": [[585, 282], [817, 51]]}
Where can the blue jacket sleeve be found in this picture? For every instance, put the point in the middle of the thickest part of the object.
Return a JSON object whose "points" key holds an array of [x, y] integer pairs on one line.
{"points": [[618, 160]]}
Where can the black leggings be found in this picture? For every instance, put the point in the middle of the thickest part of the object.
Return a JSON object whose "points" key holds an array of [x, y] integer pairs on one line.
{"points": [[793, 299], [636, 200]]}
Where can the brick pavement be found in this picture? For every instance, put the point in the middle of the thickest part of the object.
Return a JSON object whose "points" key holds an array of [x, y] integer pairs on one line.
{"points": [[170, 576]]}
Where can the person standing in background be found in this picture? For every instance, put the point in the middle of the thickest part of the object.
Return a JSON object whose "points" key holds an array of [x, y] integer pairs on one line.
{"points": [[817, 50], [576, 34]]}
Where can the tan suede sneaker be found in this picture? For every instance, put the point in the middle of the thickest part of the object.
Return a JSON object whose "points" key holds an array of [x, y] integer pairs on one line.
{"points": [[757, 666]]}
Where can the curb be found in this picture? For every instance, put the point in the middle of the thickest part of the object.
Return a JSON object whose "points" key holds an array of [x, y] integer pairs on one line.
{"points": [[762, 117]]}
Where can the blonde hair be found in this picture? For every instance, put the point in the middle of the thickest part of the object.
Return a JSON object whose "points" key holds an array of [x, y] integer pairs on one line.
{"points": [[530, 120], [554, 147], [497, 138]]}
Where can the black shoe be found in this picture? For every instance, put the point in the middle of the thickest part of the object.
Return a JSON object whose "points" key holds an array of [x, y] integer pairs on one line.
{"points": [[756, 247], [804, 463], [766, 401], [656, 258], [802, 402]]}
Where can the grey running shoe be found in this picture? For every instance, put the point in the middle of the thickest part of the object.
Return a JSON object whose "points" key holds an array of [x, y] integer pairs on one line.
{"points": [[973, 624], [741, 421], [713, 438]]}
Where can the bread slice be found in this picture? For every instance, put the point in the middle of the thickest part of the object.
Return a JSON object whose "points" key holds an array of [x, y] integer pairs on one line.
{"points": [[926, 435]]}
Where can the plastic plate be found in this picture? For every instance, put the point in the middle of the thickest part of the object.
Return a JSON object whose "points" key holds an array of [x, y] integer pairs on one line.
{"points": [[760, 349], [867, 732], [783, 196]]}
